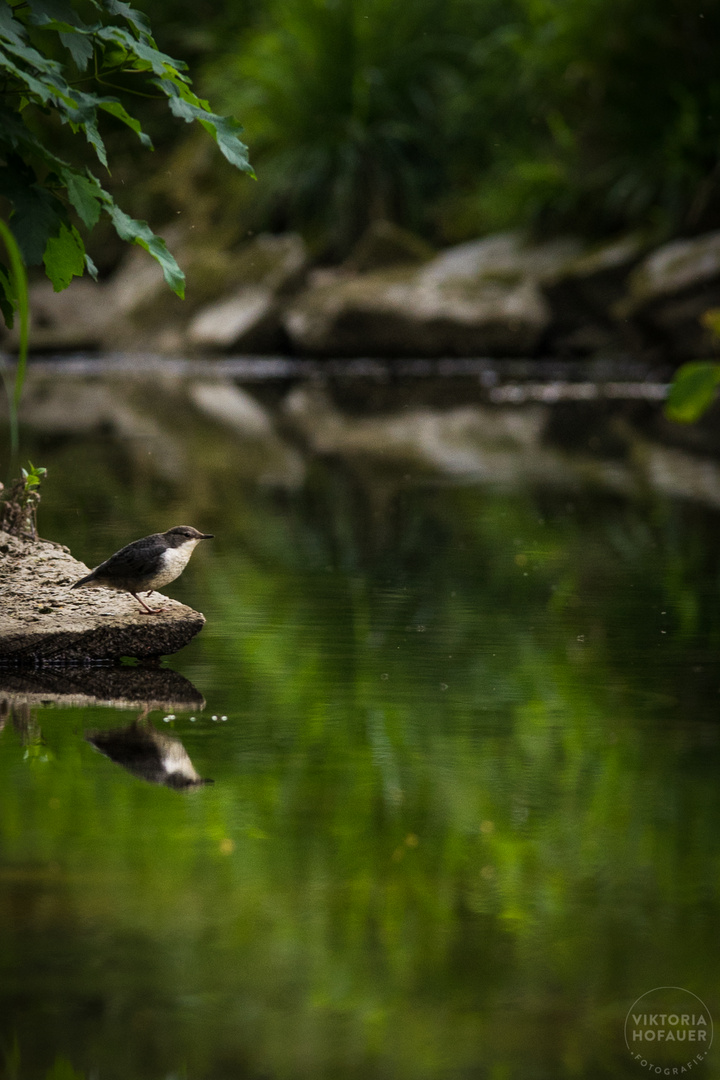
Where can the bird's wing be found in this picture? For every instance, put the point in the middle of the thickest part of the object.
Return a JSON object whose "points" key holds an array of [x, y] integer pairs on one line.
{"points": [[133, 558]]}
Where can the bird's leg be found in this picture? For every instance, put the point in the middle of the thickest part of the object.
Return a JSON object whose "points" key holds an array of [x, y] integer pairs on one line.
{"points": [[141, 602]]}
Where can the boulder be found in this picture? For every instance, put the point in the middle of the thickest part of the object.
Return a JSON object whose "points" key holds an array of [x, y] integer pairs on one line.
{"points": [[670, 291], [79, 317], [147, 314], [583, 294], [135, 310], [247, 318], [475, 299], [43, 622]]}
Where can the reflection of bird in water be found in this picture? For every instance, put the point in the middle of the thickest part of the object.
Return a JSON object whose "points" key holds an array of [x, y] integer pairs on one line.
{"points": [[149, 754], [146, 564]]}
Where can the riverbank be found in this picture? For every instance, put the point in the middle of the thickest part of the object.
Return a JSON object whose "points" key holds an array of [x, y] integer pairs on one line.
{"points": [[500, 296]]}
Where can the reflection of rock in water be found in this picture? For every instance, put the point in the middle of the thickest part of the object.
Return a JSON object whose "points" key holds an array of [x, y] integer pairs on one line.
{"points": [[122, 687], [149, 754]]}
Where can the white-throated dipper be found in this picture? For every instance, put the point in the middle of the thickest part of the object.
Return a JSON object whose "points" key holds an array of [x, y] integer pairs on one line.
{"points": [[147, 564]]}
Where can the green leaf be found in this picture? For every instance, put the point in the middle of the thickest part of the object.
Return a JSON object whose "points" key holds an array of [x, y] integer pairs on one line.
{"points": [[711, 321], [83, 194], [7, 297], [10, 29], [224, 129], [139, 232], [692, 391], [59, 15], [115, 108], [64, 257], [47, 89], [39, 224], [135, 18], [160, 63], [79, 46], [45, 12], [91, 267], [82, 112], [37, 213]]}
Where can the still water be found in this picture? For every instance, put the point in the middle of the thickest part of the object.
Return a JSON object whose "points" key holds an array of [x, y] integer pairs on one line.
{"points": [[465, 809]]}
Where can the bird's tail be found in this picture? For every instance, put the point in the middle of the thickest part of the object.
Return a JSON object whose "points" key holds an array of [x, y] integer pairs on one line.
{"points": [[87, 580]]}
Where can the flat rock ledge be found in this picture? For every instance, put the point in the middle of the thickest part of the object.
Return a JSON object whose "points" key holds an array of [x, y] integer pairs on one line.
{"points": [[42, 622]]}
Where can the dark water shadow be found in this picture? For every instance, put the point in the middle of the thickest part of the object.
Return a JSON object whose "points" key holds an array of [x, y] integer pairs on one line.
{"points": [[122, 687]]}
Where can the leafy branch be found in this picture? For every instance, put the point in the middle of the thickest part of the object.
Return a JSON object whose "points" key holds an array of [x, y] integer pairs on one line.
{"points": [[43, 188]]}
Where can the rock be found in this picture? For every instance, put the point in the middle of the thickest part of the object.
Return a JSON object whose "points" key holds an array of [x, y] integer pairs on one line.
{"points": [[268, 268], [79, 317], [474, 299], [135, 309], [147, 314], [277, 263], [583, 293], [669, 292], [503, 257], [248, 317], [43, 622], [385, 244]]}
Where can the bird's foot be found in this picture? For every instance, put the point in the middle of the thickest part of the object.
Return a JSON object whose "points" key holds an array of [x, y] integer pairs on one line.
{"points": [[143, 605]]}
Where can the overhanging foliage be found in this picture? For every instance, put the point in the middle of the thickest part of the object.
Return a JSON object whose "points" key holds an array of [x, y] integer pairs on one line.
{"points": [[55, 61]]}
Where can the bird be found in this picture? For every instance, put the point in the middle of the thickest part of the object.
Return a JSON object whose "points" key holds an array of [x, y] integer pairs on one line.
{"points": [[147, 564]]}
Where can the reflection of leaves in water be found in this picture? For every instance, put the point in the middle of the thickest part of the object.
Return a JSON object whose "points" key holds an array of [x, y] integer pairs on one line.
{"points": [[61, 1069], [25, 724]]}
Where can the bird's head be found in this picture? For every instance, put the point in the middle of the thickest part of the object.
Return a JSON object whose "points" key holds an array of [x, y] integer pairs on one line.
{"points": [[184, 534]]}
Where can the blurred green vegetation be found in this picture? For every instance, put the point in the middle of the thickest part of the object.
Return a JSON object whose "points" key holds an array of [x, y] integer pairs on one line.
{"points": [[454, 117], [694, 386]]}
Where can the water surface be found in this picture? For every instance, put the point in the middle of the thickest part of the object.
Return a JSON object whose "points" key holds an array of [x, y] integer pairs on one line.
{"points": [[465, 810]]}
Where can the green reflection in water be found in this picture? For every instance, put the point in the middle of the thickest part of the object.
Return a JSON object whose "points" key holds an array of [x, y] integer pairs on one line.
{"points": [[465, 807]]}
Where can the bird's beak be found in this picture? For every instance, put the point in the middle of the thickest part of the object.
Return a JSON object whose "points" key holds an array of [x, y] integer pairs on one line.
{"points": [[207, 536]]}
